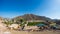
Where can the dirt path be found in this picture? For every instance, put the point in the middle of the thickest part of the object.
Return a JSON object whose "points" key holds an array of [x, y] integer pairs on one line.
{"points": [[41, 32], [2, 28], [45, 32]]}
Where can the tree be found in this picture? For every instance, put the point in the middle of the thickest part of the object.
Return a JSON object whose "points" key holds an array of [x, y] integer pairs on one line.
{"points": [[20, 21], [8, 22]]}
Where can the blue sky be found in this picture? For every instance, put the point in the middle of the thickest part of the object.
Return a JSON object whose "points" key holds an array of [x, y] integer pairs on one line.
{"points": [[13, 8]]}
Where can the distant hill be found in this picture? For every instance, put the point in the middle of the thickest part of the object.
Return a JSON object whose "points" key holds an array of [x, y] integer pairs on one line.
{"points": [[56, 21], [28, 17], [33, 17]]}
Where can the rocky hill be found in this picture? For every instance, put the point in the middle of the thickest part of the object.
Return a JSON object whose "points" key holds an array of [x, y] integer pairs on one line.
{"points": [[28, 17], [33, 17]]}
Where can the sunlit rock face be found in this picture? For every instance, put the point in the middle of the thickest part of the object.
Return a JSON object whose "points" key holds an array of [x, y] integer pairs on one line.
{"points": [[1, 19], [2, 25]]}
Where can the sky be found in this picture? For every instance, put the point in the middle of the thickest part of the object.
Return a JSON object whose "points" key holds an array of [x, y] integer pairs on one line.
{"points": [[13, 8]]}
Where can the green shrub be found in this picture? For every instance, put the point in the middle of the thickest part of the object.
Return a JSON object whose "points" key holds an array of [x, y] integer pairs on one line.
{"points": [[34, 23]]}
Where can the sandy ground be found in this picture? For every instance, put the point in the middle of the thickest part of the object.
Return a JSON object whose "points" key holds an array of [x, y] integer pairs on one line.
{"points": [[3, 30], [41, 32], [26, 32]]}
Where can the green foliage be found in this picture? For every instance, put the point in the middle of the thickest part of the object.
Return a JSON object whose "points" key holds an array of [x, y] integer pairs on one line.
{"points": [[19, 21], [34, 23], [8, 22], [23, 24]]}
